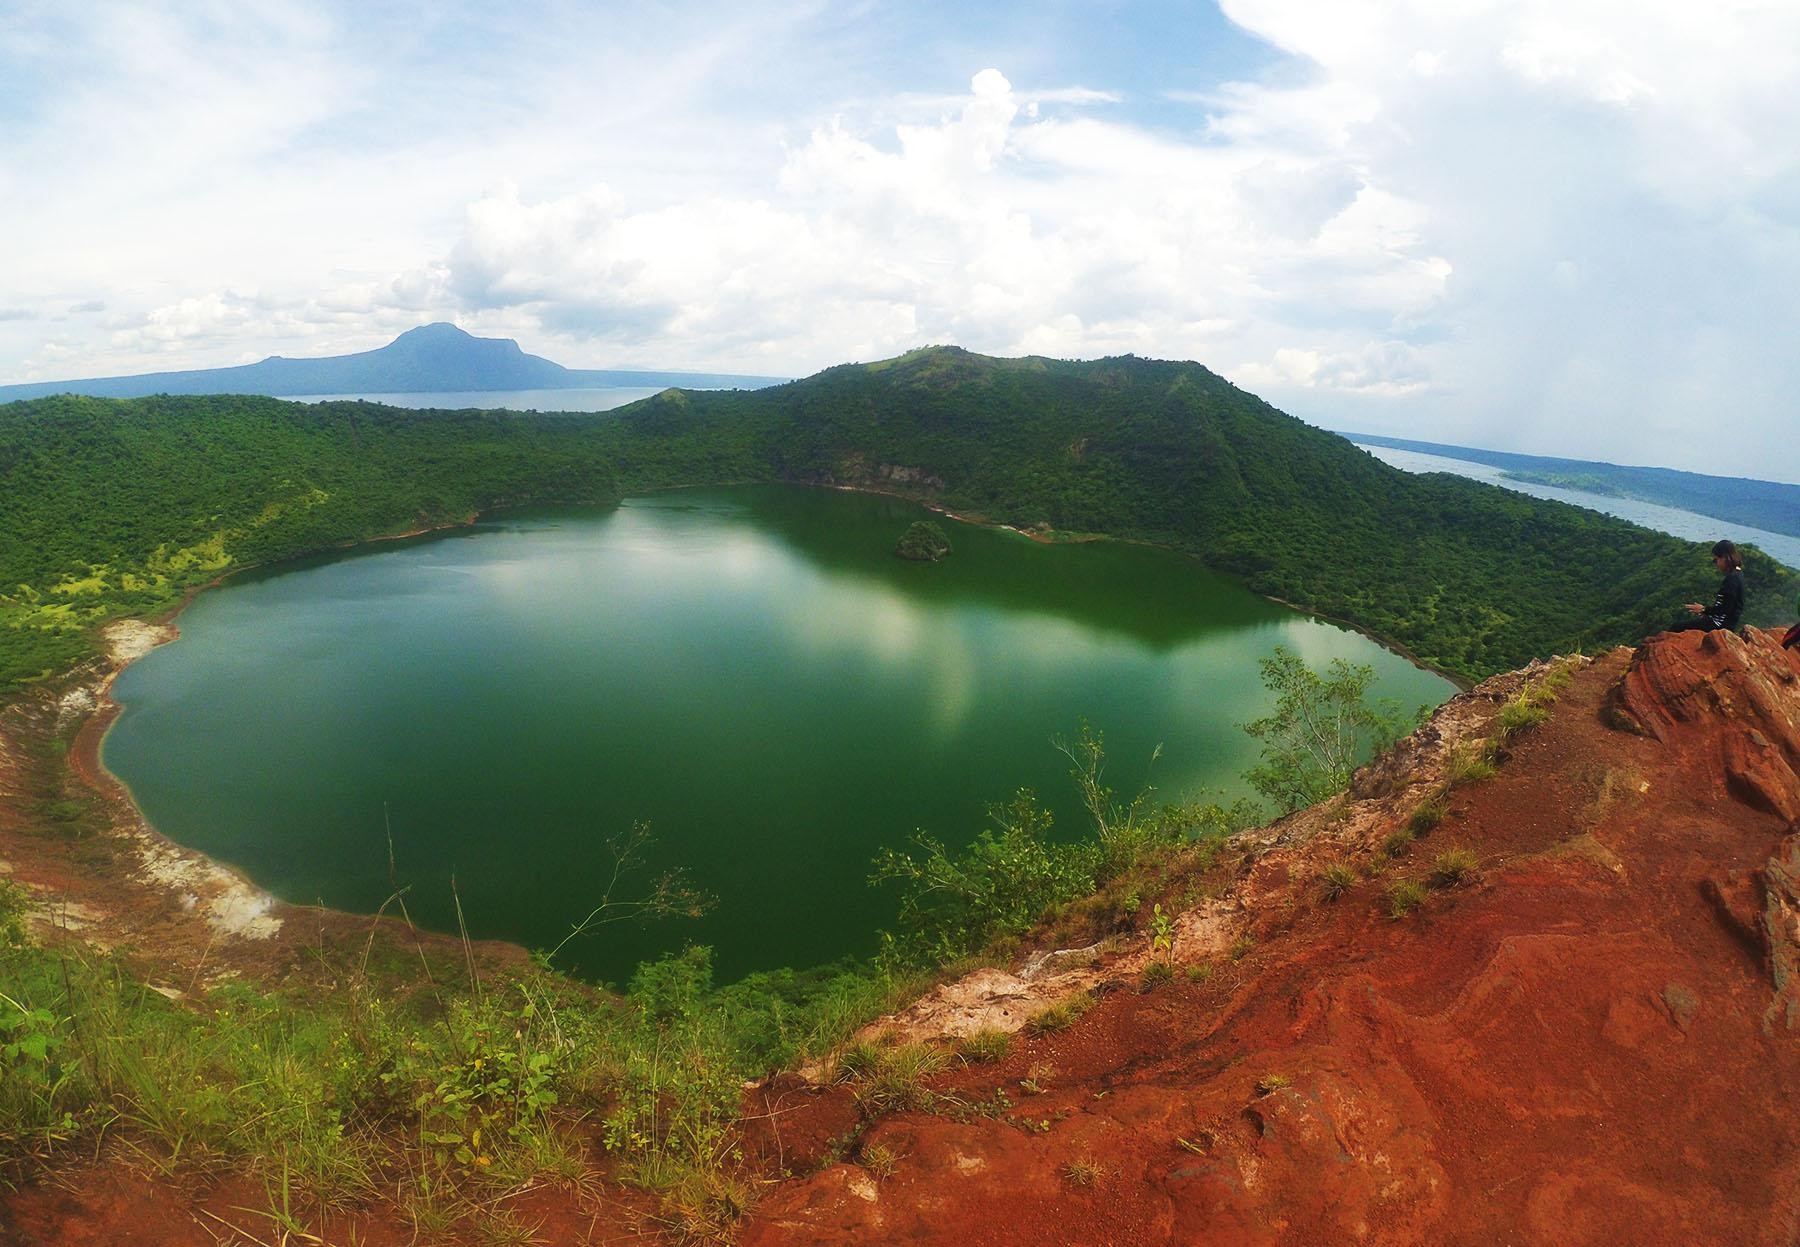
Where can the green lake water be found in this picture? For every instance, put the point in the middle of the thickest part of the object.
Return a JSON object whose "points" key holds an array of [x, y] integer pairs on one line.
{"points": [[751, 671]]}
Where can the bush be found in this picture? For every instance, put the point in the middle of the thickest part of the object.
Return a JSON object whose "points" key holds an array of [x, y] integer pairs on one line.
{"points": [[1322, 728], [953, 903]]}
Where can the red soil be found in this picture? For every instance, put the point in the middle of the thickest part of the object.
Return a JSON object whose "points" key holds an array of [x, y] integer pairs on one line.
{"points": [[1593, 1044], [1595, 1041]]}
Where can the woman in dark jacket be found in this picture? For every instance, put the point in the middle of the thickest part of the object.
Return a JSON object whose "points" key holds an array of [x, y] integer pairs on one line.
{"points": [[1728, 607]]}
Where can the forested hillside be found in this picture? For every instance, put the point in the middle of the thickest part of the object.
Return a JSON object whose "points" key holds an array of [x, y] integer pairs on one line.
{"points": [[110, 507]]}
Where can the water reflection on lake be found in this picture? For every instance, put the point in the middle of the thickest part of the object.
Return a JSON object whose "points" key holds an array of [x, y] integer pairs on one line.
{"points": [[749, 670]]}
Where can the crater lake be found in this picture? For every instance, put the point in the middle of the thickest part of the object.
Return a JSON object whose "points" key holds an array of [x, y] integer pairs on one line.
{"points": [[749, 671]]}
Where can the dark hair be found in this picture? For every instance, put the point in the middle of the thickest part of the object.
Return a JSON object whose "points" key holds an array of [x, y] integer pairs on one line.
{"points": [[1725, 550]]}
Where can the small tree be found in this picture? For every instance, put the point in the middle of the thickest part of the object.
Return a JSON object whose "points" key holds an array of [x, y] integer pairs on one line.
{"points": [[1321, 730]]}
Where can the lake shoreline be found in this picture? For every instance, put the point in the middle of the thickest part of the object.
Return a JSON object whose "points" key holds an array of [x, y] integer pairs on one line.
{"points": [[1049, 537], [85, 764]]}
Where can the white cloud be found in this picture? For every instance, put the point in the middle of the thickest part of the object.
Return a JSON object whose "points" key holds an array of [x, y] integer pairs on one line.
{"points": [[1569, 226]]}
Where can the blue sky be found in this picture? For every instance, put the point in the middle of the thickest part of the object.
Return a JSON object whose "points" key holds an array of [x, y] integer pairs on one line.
{"points": [[1564, 228]]}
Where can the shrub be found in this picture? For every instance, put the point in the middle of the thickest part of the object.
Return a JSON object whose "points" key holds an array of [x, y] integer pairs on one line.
{"points": [[953, 903], [1321, 729]]}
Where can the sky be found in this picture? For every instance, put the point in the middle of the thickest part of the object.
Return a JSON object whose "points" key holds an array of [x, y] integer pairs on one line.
{"points": [[1567, 227]]}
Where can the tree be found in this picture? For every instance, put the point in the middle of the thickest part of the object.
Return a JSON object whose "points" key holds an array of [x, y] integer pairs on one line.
{"points": [[1322, 728]]}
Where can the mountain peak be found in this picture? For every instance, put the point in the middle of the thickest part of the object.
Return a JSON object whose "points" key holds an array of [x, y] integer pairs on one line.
{"points": [[440, 331]]}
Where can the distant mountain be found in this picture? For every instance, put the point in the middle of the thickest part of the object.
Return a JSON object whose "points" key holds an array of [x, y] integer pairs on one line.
{"points": [[1769, 505], [435, 357]]}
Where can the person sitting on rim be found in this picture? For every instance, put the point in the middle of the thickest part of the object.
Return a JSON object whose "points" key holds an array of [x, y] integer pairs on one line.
{"points": [[1728, 607]]}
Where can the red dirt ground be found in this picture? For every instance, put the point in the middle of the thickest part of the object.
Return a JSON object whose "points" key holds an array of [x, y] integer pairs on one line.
{"points": [[1595, 1041]]}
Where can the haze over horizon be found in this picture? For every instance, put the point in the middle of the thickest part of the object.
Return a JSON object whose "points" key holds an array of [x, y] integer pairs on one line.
{"points": [[1561, 229]]}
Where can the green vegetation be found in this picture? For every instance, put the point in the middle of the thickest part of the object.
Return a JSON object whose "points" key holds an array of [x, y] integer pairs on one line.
{"points": [[1059, 1016], [955, 903], [1428, 814], [984, 1046], [1335, 880], [896, 1079], [115, 507], [924, 542], [1322, 728], [1404, 896], [1453, 868]]}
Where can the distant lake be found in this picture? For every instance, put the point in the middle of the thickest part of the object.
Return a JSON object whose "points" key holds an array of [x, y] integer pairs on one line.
{"points": [[603, 398], [1688, 525], [750, 670]]}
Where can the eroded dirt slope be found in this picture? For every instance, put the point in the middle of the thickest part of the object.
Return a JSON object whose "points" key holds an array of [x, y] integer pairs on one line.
{"points": [[1594, 1042]]}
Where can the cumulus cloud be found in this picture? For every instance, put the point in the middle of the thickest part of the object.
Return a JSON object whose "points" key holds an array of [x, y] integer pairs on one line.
{"points": [[987, 225]]}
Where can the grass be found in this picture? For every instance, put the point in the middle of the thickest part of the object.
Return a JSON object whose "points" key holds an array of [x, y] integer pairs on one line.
{"points": [[898, 1081], [1083, 1171], [1200, 971], [1470, 762], [1269, 1084], [1399, 841], [1335, 880], [1154, 975], [1059, 1016], [881, 1161], [1453, 868], [1428, 815], [984, 1046], [1404, 896], [1241, 946]]}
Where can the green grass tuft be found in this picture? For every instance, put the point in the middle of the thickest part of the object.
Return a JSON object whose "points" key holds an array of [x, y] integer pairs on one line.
{"points": [[1335, 880], [1404, 896], [1453, 867]]}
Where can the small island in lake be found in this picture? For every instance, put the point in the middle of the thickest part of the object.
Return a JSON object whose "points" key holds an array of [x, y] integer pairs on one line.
{"points": [[924, 542]]}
